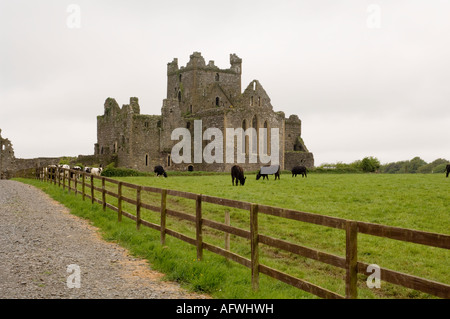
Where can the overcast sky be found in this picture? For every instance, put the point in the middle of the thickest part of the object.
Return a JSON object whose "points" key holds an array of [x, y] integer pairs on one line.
{"points": [[367, 78]]}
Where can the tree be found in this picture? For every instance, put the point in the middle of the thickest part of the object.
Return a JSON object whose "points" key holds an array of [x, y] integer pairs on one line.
{"points": [[370, 164]]}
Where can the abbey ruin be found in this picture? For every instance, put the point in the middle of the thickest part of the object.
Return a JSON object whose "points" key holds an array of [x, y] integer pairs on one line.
{"points": [[197, 91]]}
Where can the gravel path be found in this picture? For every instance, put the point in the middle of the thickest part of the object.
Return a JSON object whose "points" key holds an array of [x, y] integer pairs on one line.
{"points": [[39, 239]]}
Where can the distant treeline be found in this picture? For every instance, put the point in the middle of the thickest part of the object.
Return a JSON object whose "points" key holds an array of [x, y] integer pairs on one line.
{"points": [[372, 165]]}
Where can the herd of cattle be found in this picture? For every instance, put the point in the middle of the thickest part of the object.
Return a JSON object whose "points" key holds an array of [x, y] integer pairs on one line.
{"points": [[237, 172], [67, 171]]}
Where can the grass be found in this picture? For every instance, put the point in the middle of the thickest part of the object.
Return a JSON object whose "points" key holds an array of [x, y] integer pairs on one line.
{"points": [[413, 201]]}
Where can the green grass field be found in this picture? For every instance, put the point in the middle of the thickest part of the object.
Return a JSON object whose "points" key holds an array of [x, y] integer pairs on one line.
{"points": [[414, 201]]}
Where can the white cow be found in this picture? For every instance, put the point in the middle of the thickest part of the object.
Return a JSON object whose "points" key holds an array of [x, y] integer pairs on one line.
{"points": [[96, 171]]}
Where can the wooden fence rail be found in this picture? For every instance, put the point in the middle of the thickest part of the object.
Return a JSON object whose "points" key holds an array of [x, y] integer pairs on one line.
{"points": [[350, 262]]}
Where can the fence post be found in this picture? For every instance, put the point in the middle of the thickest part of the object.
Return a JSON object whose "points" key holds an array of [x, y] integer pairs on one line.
{"points": [[76, 184], [59, 176], [198, 226], [64, 179], [351, 259], [119, 202], [254, 246], [163, 216], [103, 194], [138, 207], [92, 188], [227, 235], [83, 185], [70, 179]]}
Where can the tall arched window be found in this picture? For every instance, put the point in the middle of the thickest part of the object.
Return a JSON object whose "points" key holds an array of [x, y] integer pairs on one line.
{"points": [[146, 159], [255, 136], [217, 77], [179, 96], [244, 137], [217, 101], [266, 139]]}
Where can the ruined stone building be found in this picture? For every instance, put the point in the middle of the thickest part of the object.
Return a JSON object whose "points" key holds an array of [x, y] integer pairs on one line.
{"points": [[198, 91]]}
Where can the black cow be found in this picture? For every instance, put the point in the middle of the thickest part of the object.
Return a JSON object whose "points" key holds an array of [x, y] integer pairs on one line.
{"points": [[237, 173], [269, 170], [159, 170], [448, 170], [299, 170]]}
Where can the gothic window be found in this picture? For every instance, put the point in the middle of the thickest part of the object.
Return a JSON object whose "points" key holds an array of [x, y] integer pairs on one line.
{"points": [[244, 137], [179, 96], [266, 140], [217, 77], [179, 77], [217, 101], [146, 159], [168, 160], [259, 101], [255, 137]]}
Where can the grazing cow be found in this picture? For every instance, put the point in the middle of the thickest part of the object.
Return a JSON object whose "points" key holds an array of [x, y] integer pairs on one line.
{"points": [[97, 171], [269, 170], [299, 170], [75, 168], [448, 170], [159, 170], [237, 173]]}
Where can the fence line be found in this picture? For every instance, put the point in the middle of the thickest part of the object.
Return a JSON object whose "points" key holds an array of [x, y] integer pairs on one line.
{"points": [[350, 262]]}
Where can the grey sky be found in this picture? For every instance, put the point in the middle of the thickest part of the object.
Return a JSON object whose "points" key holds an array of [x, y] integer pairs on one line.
{"points": [[359, 90]]}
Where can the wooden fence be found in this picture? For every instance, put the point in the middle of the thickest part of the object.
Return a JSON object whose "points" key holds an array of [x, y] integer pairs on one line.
{"points": [[350, 263]]}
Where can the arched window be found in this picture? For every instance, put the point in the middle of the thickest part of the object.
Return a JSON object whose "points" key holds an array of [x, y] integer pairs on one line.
{"points": [[146, 159], [217, 77], [168, 160], [255, 137], [179, 96], [244, 137], [179, 77], [217, 101], [266, 139]]}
